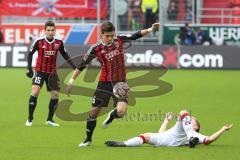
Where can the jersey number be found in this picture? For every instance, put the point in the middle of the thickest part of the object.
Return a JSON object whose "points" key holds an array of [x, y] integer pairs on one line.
{"points": [[38, 80]]}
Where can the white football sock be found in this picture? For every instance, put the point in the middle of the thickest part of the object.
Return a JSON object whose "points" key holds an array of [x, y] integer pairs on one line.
{"points": [[136, 141]]}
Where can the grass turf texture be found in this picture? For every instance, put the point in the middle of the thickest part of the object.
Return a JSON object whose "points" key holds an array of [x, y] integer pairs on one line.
{"points": [[212, 96]]}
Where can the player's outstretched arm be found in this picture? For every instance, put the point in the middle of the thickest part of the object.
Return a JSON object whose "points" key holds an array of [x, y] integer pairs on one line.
{"points": [[216, 135], [71, 81], [164, 125], [154, 28], [140, 34]]}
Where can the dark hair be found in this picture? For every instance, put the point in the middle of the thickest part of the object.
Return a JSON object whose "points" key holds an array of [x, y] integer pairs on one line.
{"points": [[49, 23], [107, 27], [198, 124]]}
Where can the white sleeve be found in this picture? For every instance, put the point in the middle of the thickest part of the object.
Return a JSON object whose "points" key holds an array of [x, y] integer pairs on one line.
{"points": [[200, 136]]}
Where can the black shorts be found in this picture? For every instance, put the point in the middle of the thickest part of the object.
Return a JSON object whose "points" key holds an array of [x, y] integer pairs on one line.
{"points": [[103, 94], [52, 81]]}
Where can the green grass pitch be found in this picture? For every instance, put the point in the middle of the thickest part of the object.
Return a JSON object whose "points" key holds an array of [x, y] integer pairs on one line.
{"points": [[212, 96]]}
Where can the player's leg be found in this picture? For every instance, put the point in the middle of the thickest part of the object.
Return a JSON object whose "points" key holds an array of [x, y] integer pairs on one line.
{"points": [[193, 136], [53, 103], [32, 103], [37, 83], [100, 99], [137, 141], [90, 125], [121, 109], [185, 119], [132, 142], [118, 112], [53, 86]]}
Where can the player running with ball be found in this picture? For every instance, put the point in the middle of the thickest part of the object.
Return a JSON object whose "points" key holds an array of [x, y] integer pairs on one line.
{"points": [[184, 132], [109, 52]]}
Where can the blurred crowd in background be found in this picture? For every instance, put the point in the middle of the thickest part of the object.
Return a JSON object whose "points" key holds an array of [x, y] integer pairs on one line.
{"points": [[132, 15]]}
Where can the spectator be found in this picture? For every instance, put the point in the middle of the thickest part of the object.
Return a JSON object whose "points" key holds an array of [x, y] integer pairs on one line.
{"points": [[200, 37], [122, 12], [234, 4], [1, 36], [172, 11], [189, 15], [218, 41], [134, 12], [187, 35], [150, 9], [235, 11]]}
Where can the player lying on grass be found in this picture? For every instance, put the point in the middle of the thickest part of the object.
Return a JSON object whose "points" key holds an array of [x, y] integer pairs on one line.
{"points": [[184, 132]]}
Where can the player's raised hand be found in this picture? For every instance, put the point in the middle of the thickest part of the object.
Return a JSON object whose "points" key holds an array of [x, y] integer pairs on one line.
{"points": [[169, 116], [155, 26], [69, 90], [29, 73], [227, 127]]}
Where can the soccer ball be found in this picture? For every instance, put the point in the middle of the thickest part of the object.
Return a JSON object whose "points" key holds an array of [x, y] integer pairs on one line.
{"points": [[120, 89]]}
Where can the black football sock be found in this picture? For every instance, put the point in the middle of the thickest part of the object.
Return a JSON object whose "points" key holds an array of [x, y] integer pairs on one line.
{"points": [[52, 108], [113, 115], [31, 107], [91, 124]]}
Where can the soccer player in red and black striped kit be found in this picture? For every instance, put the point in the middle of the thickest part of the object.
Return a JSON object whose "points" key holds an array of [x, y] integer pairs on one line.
{"points": [[45, 70], [109, 52]]}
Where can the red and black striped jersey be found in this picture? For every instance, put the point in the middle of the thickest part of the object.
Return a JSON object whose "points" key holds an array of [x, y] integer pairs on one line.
{"points": [[111, 57], [47, 54]]}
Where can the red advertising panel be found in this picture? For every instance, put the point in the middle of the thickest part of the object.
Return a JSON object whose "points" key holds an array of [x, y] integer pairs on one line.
{"points": [[20, 34], [53, 8]]}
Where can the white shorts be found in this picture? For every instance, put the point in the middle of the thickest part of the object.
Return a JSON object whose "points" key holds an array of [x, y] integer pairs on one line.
{"points": [[160, 139], [175, 136]]}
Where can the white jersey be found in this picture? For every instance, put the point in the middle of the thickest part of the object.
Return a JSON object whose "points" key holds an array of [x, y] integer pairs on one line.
{"points": [[175, 136]]}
